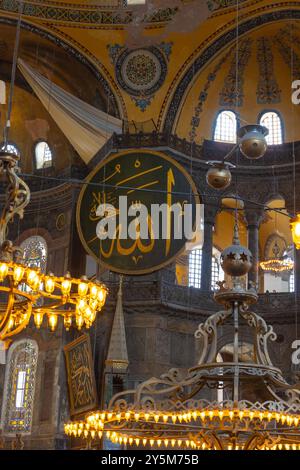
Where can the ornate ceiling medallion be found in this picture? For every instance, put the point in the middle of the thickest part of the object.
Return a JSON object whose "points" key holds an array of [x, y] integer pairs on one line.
{"points": [[141, 72]]}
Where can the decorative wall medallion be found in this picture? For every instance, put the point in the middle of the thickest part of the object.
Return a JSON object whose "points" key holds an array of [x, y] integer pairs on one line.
{"points": [[60, 221], [141, 72], [268, 91]]}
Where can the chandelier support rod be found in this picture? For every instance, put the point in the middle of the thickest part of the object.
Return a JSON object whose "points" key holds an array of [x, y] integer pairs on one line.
{"points": [[236, 352]]}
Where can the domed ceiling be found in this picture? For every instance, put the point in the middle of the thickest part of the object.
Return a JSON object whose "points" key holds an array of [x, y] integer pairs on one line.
{"points": [[261, 65]]}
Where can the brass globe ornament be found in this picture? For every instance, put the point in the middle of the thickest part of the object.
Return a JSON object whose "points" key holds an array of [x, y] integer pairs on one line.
{"points": [[252, 141], [219, 175]]}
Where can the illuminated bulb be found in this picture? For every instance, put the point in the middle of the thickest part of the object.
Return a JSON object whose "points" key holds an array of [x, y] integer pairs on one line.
{"points": [[156, 418], [296, 421], [221, 414], [33, 279], [79, 321], [11, 323], [147, 416], [136, 416], [52, 321], [165, 418], [101, 296], [85, 433], [127, 415], [159, 442], [93, 291], [38, 319], [109, 416], [130, 441], [173, 442], [174, 418], [82, 288], [66, 284], [152, 442], [211, 415], [49, 284], [18, 273], [3, 271], [179, 442], [144, 442], [166, 442], [93, 434], [231, 414], [137, 442], [194, 414]]}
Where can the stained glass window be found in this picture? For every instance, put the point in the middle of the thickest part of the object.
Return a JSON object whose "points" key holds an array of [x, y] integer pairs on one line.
{"points": [[35, 255], [35, 252], [43, 155], [19, 387], [226, 127], [272, 122]]}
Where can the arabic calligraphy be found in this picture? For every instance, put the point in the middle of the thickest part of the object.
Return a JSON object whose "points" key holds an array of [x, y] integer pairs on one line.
{"points": [[146, 178]]}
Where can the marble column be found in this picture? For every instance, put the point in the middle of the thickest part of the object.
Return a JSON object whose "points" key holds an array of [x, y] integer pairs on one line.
{"points": [[207, 249], [253, 217]]}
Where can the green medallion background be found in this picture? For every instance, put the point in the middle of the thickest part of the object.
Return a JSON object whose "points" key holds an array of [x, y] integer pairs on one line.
{"points": [[145, 177]]}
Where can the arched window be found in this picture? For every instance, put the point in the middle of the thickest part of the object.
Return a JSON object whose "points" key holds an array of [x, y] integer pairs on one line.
{"points": [[43, 155], [195, 260], [35, 252], [226, 127], [19, 387], [10, 147], [272, 122]]}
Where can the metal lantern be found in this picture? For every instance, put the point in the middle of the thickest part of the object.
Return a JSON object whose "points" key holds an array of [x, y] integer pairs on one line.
{"points": [[252, 143], [219, 176]]}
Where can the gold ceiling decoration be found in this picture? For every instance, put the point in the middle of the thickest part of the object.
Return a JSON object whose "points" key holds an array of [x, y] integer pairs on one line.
{"points": [[174, 411], [26, 292]]}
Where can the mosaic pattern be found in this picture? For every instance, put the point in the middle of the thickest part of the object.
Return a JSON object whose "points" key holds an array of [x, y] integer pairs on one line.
{"points": [[232, 93], [22, 358], [84, 15], [285, 40], [268, 91], [214, 48], [195, 122], [217, 4], [141, 72]]}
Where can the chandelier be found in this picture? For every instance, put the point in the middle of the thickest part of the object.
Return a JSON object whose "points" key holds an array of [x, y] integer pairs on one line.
{"points": [[277, 264], [261, 410], [25, 292]]}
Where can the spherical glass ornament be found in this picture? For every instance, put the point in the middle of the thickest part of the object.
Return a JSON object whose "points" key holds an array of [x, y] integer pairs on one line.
{"points": [[253, 144]]}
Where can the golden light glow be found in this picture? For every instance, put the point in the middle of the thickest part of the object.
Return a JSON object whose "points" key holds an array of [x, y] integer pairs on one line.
{"points": [[64, 297], [180, 435], [277, 265], [295, 228]]}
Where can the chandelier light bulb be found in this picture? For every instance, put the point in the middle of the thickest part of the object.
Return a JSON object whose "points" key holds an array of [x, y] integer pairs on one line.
{"points": [[66, 284], [52, 320], [3, 271], [295, 228], [49, 284], [38, 319], [18, 273]]}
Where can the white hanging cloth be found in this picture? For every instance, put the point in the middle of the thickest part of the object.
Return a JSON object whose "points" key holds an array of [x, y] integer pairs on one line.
{"points": [[87, 128]]}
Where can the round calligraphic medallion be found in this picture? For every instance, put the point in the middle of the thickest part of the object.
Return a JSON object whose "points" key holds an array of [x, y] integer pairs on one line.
{"points": [[137, 211]]}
